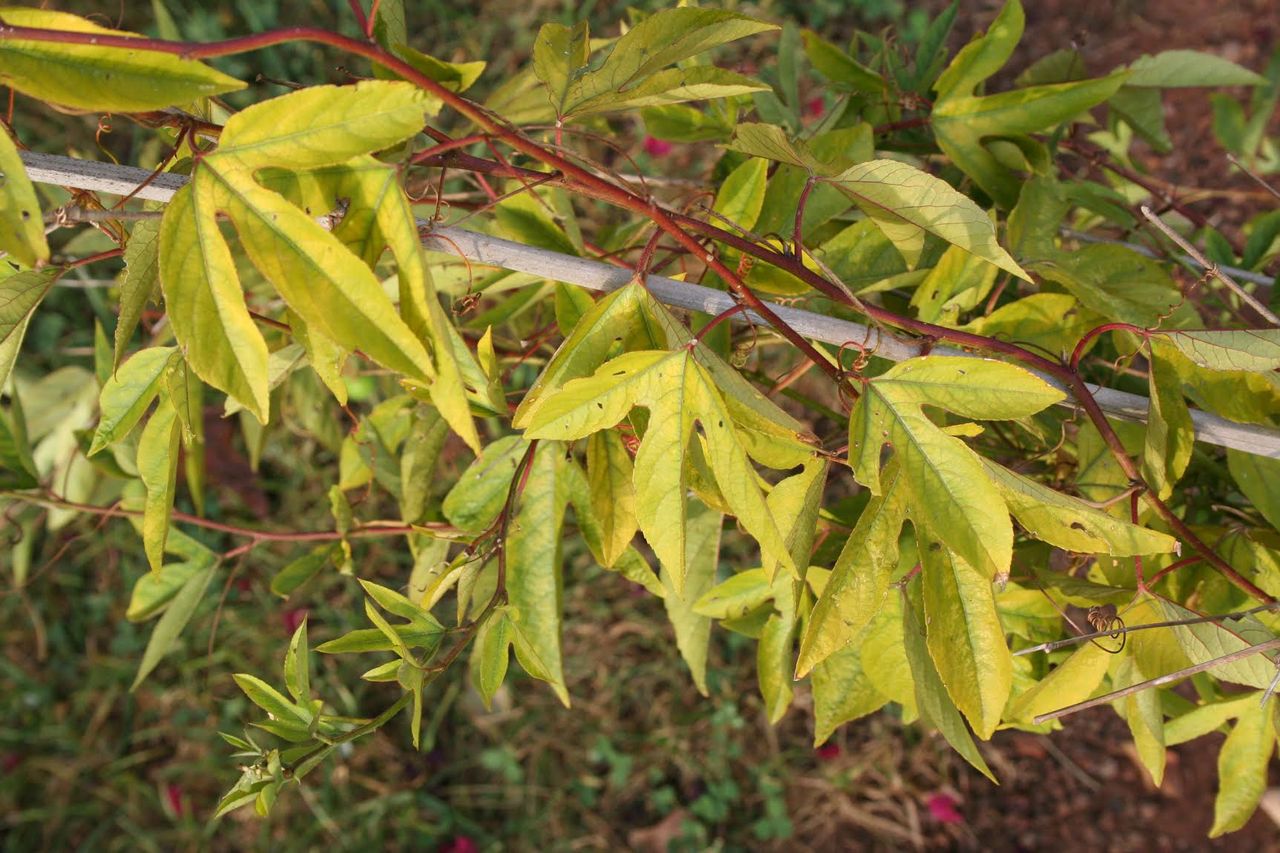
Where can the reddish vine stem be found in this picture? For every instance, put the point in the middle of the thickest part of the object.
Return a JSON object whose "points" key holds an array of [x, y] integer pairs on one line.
{"points": [[1172, 567], [675, 224], [1089, 336], [373, 529]]}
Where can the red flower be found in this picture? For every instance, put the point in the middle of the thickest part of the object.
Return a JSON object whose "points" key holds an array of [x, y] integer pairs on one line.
{"points": [[291, 619], [460, 844], [828, 751], [942, 807], [656, 147], [815, 107], [173, 798]]}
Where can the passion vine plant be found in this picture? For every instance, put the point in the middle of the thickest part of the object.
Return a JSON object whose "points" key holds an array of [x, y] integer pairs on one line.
{"points": [[958, 511]]}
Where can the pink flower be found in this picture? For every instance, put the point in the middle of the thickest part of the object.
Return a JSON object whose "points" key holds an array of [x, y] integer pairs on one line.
{"points": [[173, 799], [460, 844], [291, 619], [828, 751], [942, 807], [815, 107], [656, 147]]}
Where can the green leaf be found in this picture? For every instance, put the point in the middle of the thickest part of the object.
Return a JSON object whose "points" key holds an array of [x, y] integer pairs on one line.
{"points": [[1170, 434], [490, 656], [906, 202], [1242, 769], [1070, 523], [477, 496], [1206, 641], [860, 578], [634, 67], [1143, 110], [985, 54], [840, 68], [21, 225], [958, 283], [693, 631], [741, 195], [1259, 479], [962, 122], [680, 123], [1114, 281], [559, 55], [679, 393], [613, 497], [141, 278], [1229, 349], [17, 468], [1182, 68], [205, 303], [299, 571], [297, 665], [934, 703], [128, 393], [158, 470], [964, 636], [324, 125], [842, 692], [1142, 711], [534, 565], [272, 701], [947, 487], [20, 293], [153, 591], [100, 79], [454, 76], [175, 618], [1056, 320], [418, 635]]}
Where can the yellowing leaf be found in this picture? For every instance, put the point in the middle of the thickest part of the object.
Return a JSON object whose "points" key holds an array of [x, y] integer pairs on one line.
{"points": [[906, 202], [678, 393], [100, 79], [693, 631], [1072, 524], [324, 125], [205, 303], [735, 597], [613, 497], [318, 277], [859, 581], [934, 703], [842, 692], [947, 488], [1170, 435], [1242, 769], [1072, 681], [21, 225], [964, 636], [378, 214]]}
